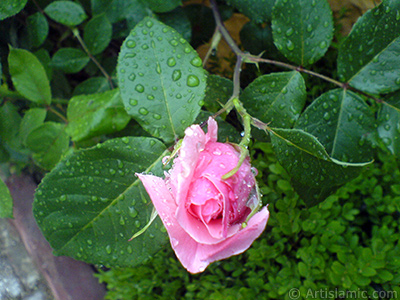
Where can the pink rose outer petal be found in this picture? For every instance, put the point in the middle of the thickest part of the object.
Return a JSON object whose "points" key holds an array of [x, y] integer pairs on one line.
{"points": [[196, 257]]}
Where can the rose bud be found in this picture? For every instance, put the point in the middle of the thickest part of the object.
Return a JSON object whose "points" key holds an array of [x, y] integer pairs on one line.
{"points": [[207, 218]]}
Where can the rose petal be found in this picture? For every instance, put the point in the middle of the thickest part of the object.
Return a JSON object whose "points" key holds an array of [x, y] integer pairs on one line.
{"points": [[161, 198], [212, 130], [184, 165], [196, 257]]}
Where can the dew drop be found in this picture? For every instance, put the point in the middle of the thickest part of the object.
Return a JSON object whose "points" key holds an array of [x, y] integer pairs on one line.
{"points": [[322, 45], [131, 44], [143, 111], [290, 31], [192, 81], [133, 212], [132, 77], [289, 45], [139, 88], [133, 102], [171, 62], [149, 24], [196, 62], [108, 249], [176, 75], [157, 116]]}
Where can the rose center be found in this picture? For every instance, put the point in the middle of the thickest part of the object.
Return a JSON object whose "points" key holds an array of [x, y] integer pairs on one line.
{"points": [[204, 201]]}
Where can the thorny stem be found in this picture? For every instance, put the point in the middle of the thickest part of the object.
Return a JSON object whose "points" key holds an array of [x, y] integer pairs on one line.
{"points": [[85, 48], [246, 57]]}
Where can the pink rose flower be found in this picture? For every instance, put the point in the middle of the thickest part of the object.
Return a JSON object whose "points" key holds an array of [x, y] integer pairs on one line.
{"points": [[203, 213]]}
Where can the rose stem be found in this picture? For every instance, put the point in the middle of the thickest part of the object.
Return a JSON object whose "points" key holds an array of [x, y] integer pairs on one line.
{"points": [[246, 57]]}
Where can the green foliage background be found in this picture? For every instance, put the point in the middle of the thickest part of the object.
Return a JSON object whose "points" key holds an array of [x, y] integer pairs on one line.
{"points": [[347, 242], [94, 91]]}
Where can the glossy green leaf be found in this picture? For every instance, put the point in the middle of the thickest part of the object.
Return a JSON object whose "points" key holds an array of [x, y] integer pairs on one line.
{"points": [[45, 59], [314, 173], [48, 143], [69, 60], [218, 92], [178, 20], [161, 6], [28, 76], [9, 124], [68, 13], [276, 98], [92, 86], [97, 34], [38, 29], [257, 38], [6, 202], [258, 11], [112, 204], [9, 8], [343, 123], [302, 29], [117, 10], [96, 114], [389, 123], [368, 59], [32, 119], [161, 79]]}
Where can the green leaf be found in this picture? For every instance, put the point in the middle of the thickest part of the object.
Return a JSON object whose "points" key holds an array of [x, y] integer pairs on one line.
{"points": [[313, 172], [257, 38], [112, 203], [117, 10], [69, 60], [6, 202], [218, 92], [161, 79], [178, 20], [97, 34], [38, 29], [276, 98], [96, 114], [161, 6], [45, 59], [48, 143], [302, 29], [28, 76], [92, 86], [385, 275], [258, 11], [343, 123], [368, 58], [9, 8], [9, 124], [66, 12], [389, 123], [32, 119]]}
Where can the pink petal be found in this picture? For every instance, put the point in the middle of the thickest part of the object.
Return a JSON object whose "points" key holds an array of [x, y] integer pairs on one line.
{"points": [[212, 130], [196, 257], [161, 198], [184, 165]]}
